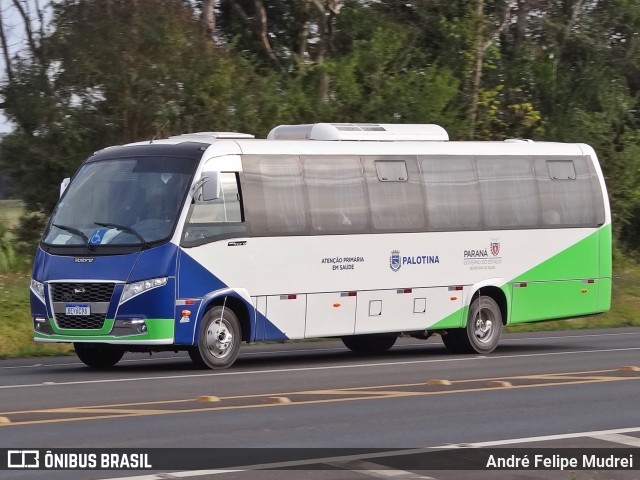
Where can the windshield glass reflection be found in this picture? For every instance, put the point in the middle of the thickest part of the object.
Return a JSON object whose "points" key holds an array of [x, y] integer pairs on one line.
{"points": [[128, 201]]}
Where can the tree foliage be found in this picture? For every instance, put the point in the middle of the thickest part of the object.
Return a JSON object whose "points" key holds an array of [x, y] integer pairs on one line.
{"points": [[113, 71]]}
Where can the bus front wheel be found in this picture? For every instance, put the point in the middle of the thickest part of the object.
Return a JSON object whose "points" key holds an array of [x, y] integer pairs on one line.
{"points": [[96, 355], [369, 343], [483, 330], [219, 339]]}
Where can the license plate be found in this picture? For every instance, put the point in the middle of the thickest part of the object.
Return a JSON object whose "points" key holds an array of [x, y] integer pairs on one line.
{"points": [[78, 309]]}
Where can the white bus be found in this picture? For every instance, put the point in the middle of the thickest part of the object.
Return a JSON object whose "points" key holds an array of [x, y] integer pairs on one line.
{"points": [[358, 231]]}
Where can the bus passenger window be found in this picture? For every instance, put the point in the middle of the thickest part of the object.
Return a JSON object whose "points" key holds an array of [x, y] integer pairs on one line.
{"points": [[395, 195], [222, 216], [274, 194], [335, 186], [508, 191], [567, 194], [453, 194]]}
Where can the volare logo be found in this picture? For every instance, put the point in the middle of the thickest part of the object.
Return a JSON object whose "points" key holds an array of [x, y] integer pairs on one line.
{"points": [[83, 260]]}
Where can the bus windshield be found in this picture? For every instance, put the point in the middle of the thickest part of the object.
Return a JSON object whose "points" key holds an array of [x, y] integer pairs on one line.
{"points": [[123, 201]]}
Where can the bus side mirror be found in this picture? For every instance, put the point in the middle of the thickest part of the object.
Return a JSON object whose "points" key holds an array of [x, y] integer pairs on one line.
{"points": [[211, 186], [64, 185]]}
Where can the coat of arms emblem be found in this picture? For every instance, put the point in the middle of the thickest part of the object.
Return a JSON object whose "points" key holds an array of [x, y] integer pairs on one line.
{"points": [[394, 260], [495, 247]]}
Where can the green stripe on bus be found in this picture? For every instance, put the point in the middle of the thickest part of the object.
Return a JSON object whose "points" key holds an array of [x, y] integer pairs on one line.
{"points": [[157, 329], [575, 262], [566, 285]]}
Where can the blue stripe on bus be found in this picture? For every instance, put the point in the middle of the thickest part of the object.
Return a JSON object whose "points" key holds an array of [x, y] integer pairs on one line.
{"points": [[132, 267], [161, 261], [195, 281], [110, 267]]}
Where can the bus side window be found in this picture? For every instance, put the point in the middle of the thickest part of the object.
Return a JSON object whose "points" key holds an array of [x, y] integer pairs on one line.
{"points": [[567, 196], [453, 195], [222, 216], [223, 209], [394, 194], [508, 190], [274, 194], [337, 200]]}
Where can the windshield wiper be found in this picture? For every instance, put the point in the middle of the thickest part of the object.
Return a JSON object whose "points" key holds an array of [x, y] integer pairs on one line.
{"points": [[126, 229], [77, 232]]}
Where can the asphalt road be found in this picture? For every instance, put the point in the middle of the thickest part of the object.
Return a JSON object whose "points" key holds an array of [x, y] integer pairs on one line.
{"points": [[542, 390]]}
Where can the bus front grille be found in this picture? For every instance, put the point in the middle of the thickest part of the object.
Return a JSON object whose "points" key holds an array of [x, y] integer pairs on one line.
{"points": [[88, 322], [81, 292], [97, 296]]}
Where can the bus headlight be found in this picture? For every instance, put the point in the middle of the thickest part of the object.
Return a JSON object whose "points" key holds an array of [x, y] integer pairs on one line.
{"points": [[134, 289], [38, 289]]}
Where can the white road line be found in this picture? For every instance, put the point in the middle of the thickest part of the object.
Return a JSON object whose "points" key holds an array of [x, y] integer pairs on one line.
{"points": [[329, 367], [281, 465], [545, 438], [75, 364], [169, 476], [421, 344], [619, 438], [333, 349], [391, 453], [378, 471], [556, 337]]}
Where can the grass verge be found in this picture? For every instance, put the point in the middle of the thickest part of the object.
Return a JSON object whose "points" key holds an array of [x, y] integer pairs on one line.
{"points": [[10, 212], [16, 332]]}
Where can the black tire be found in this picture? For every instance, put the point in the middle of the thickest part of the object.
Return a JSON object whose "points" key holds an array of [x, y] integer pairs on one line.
{"points": [[97, 355], [218, 341], [451, 341], [483, 330], [373, 343]]}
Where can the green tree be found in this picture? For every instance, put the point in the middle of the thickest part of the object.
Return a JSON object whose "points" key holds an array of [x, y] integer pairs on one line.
{"points": [[374, 74], [588, 93], [385, 79], [117, 71], [113, 71]]}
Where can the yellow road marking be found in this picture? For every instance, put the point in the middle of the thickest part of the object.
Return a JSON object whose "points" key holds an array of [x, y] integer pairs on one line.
{"points": [[102, 410], [352, 391], [371, 392], [570, 377]]}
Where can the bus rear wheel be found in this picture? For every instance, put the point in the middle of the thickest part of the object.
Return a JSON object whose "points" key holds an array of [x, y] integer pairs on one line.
{"points": [[370, 343], [219, 339], [483, 330], [97, 355]]}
